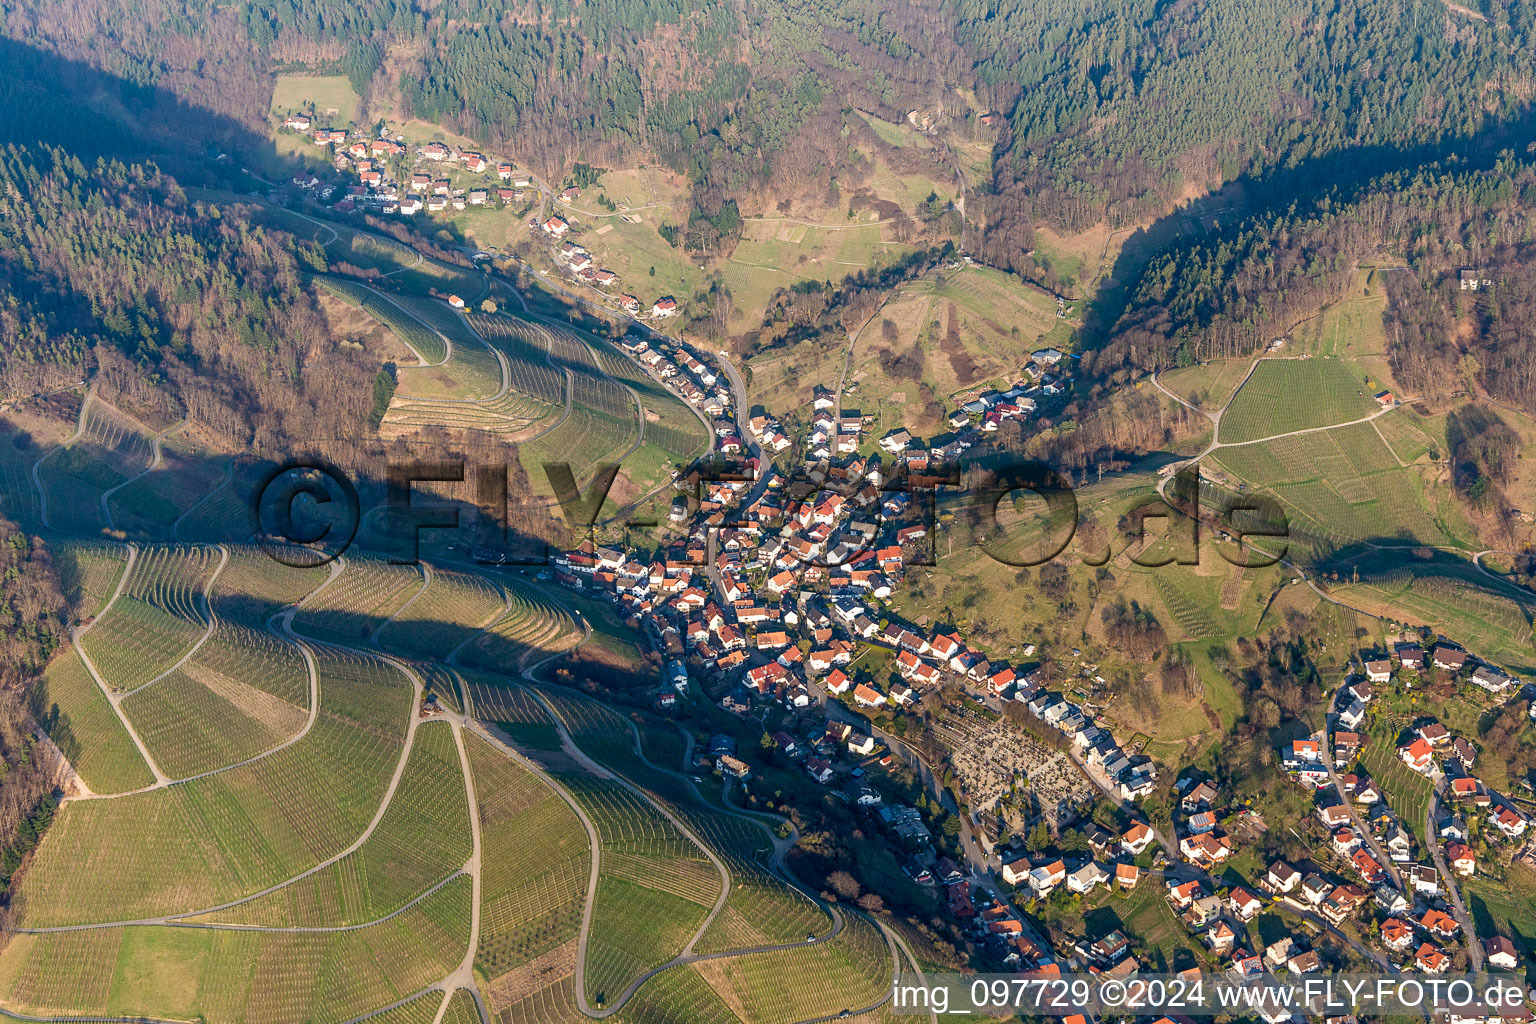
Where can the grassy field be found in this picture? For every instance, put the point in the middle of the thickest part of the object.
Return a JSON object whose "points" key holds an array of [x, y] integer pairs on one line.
{"points": [[149, 505], [329, 96], [1209, 386], [1296, 394]]}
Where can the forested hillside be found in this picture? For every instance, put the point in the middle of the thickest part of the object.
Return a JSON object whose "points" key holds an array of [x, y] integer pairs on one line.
{"points": [[1110, 112], [1118, 108], [1233, 294], [181, 308]]}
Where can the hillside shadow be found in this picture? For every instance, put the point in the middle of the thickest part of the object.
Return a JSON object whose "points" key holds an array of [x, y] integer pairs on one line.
{"points": [[1343, 175], [58, 102]]}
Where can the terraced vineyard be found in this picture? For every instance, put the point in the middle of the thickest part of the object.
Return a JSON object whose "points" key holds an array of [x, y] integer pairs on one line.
{"points": [[150, 504], [454, 607], [533, 628], [1347, 484], [429, 346], [157, 618], [328, 853], [88, 574], [422, 841], [205, 715], [653, 895], [110, 450], [493, 382], [254, 586], [851, 970], [527, 352], [536, 859], [760, 909], [359, 601], [74, 712], [177, 849], [1295, 394]]}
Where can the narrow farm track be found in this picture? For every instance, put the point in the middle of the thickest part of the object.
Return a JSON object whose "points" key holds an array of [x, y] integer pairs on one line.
{"points": [[156, 461], [314, 697], [37, 477], [209, 627]]}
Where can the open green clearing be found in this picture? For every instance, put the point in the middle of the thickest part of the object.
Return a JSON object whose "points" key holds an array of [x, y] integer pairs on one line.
{"points": [[329, 96]]}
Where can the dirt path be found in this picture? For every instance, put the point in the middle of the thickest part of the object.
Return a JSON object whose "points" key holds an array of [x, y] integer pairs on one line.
{"points": [[212, 624], [37, 478], [155, 461]]}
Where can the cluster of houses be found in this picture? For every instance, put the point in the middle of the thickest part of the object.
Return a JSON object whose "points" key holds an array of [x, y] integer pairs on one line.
{"points": [[769, 590], [988, 410], [696, 383], [578, 261], [1365, 835], [425, 186]]}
